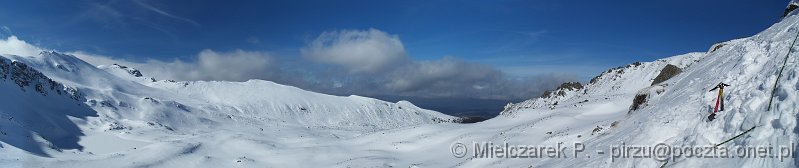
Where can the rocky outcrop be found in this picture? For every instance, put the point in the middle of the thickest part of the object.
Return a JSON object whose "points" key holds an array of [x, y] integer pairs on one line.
{"points": [[549, 99], [645, 95], [561, 90], [791, 7], [617, 70], [28, 78], [620, 82], [132, 71], [667, 73], [715, 47]]}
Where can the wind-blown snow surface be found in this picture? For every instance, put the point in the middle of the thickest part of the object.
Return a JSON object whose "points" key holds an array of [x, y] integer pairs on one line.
{"points": [[675, 116], [60, 111], [124, 119]]}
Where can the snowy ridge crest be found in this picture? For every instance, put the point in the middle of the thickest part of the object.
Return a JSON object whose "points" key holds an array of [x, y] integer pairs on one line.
{"points": [[614, 82], [29, 79]]}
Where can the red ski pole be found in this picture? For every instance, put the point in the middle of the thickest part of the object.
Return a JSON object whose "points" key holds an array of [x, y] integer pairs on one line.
{"points": [[716, 109]]}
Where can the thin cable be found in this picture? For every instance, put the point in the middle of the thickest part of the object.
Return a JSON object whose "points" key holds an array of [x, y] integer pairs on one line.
{"points": [[774, 90]]}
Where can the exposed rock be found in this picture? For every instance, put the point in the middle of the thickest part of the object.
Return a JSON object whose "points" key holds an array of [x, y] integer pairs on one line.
{"points": [[614, 124], [596, 130], [644, 95], [571, 86], [667, 73], [4, 68], [638, 102], [619, 70], [28, 78], [789, 9], [132, 71], [716, 47], [561, 90]]}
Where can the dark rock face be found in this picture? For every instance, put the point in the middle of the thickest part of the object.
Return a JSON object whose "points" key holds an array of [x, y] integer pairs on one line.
{"points": [[667, 73], [638, 102], [561, 90], [716, 46], [26, 77], [546, 94], [132, 71], [451, 120], [135, 72], [4, 68], [571, 86], [789, 9]]}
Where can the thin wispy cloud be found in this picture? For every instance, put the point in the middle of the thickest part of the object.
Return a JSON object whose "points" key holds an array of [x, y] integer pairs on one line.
{"points": [[118, 15], [534, 35], [101, 13], [7, 30], [156, 27], [164, 13]]}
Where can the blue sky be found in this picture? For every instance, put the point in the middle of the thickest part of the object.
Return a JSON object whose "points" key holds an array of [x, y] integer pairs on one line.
{"points": [[538, 40]]}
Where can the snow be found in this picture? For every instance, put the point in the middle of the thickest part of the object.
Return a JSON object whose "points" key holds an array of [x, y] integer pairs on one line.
{"points": [[127, 120], [119, 116], [104, 143]]}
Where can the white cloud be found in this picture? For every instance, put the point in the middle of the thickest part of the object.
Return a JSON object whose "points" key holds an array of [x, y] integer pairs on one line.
{"points": [[236, 65], [359, 51], [377, 64], [101, 60], [380, 57], [12, 45], [391, 73], [447, 73]]}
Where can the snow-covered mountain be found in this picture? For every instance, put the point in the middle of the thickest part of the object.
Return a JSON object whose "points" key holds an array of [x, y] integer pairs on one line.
{"points": [[55, 104], [58, 111], [619, 82]]}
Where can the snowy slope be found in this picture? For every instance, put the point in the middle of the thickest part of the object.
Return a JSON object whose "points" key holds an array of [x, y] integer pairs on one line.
{"points": [[614, 83], [674, 114], [20, 85], [115, 116], [58, 107], [750, 65]]}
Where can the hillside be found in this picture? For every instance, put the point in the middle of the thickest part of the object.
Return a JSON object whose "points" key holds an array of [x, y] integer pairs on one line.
{"points": [[58, 107], [59, 111]]}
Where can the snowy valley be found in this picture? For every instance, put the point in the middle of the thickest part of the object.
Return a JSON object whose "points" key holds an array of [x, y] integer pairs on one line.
{"points": [[57, 110]]}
